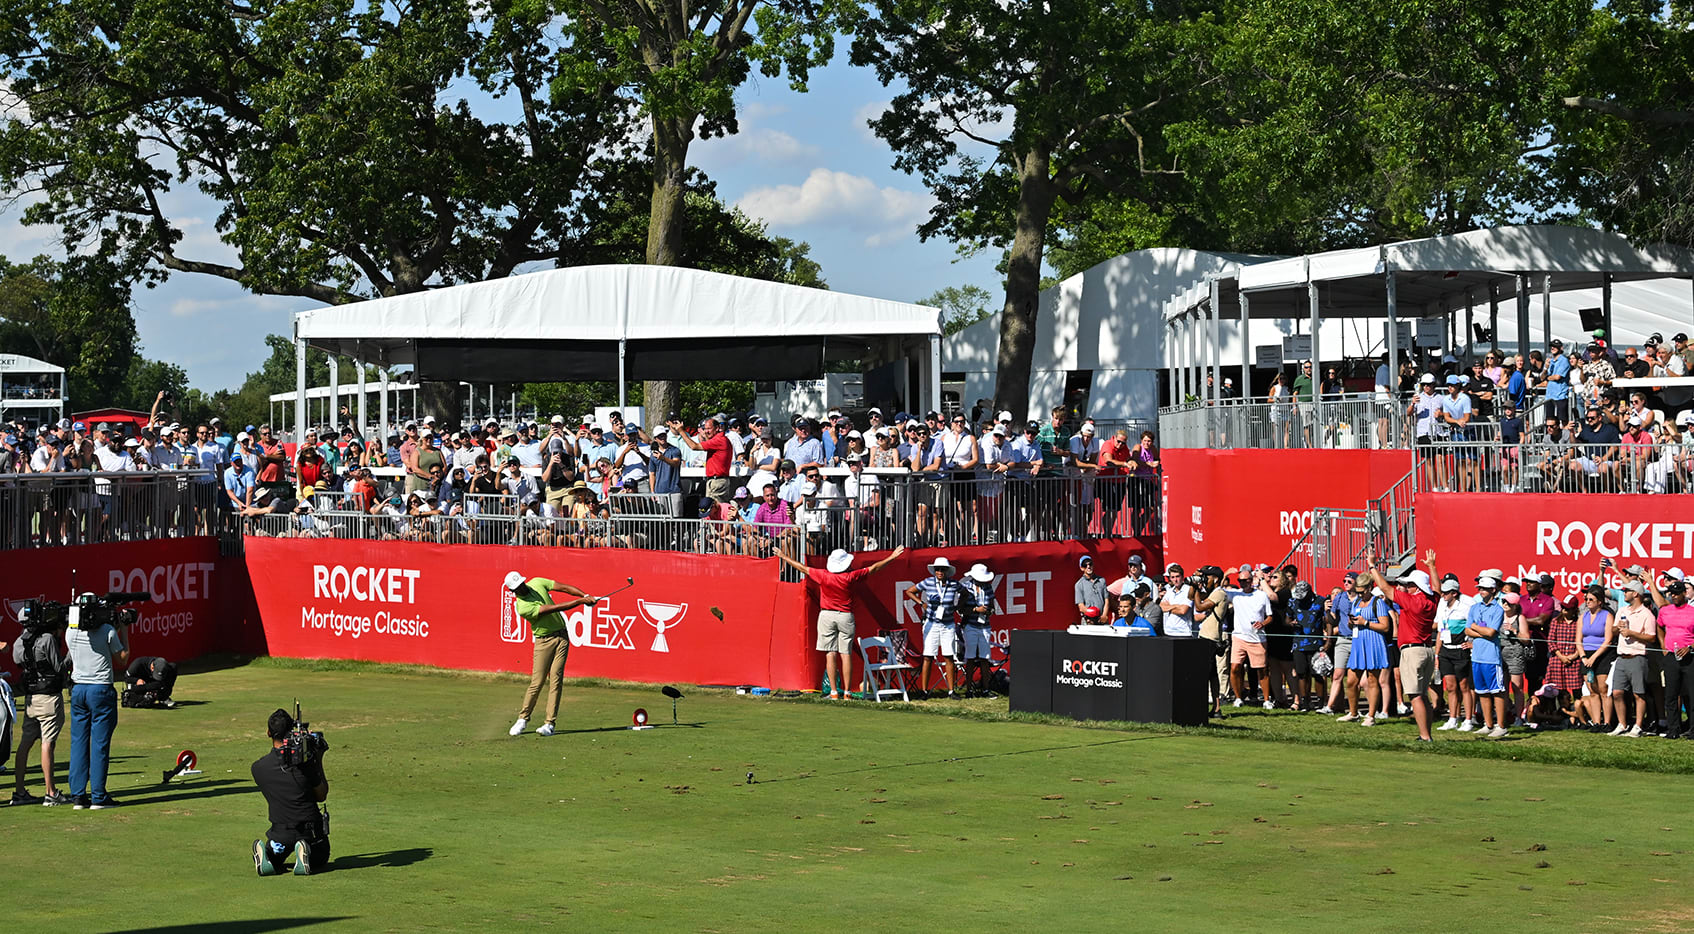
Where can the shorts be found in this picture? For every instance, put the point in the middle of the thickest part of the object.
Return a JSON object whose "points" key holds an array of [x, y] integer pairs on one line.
{"points": [[49, 711], [1240, 650], [938, 640], [977, 644], [1303, 662], [1453, 662], [835, 631], [1557, 408], [1514, 655], [1417, 669], [1486, 678], [1602, 666], [718, 489], [1629, 675], [1343, 648], [1280, 647]]}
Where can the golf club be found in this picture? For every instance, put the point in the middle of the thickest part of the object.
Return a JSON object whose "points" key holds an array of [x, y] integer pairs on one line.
{"points": [[619, 590]]}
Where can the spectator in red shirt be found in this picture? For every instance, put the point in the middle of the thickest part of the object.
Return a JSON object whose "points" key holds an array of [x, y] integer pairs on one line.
{"points": [[1416, 601], [836, 626], [272, 457], [718, 454], [309, 466]]}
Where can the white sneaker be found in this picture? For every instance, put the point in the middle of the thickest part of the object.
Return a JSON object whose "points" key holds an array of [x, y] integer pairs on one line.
{"points": [[1467, 726], [1368, 721], [1451, 724], [1619, 730], [517, 728], [1347, 718], [1498, 732], [1269, 705], [546, 730], [1634, 732], [1237, 702], [1324, 710]]}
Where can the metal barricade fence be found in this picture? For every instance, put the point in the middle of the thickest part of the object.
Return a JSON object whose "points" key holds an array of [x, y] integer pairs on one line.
{"points": [[1539, 466], [51, 509], [1362, 420]]}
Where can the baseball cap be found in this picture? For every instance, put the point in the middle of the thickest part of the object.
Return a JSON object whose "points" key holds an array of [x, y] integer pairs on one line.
{"points": [[1418, 579], [1510, 599], [1556, 343], [75, 426], [1452, 381], [1427, 378], [1488, 583], [1032, 426], [1449, 586], [1635, 570], [1547, 581], [808, 489], [999, 430], [875, 411], [1137, 561], [742, 492], [1674, 574], [1087, 428], [1679, 337], [132, 443], [556, 420], [429, 420], [514, 580], [1004, 416], [1634, 587], [244, 436]]}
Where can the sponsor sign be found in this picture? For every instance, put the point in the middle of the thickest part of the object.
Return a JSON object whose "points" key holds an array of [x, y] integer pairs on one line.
{"points": [[1231, 507], [1432, 332], [182, 574], [1034, 583], [1267, 356], [1088, 673], [1297, 347], [421, 603], [1565, 536]]}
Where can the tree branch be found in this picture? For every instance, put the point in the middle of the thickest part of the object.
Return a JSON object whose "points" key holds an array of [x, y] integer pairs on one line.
{"points": [[1632, 114]]}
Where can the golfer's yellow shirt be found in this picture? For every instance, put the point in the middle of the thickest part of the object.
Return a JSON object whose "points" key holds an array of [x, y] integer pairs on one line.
{"points": [[537, 593]]}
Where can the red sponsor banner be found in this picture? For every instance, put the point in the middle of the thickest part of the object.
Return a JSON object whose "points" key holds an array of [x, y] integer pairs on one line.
{"points": [[181, 621], [1251, 505], [1547, 533], [445, 605], [1034, 583]]}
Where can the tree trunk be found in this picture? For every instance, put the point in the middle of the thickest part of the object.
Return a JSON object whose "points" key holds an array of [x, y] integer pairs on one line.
{"points": [[441, 399], [1036, 193], [666, 228]]}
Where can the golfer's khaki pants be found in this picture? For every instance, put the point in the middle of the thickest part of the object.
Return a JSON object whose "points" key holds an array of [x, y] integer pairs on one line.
{"points": [[549, 668]]}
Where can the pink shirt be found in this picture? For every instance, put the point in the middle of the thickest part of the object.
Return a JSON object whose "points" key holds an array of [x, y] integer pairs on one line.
{"points": [[1677, 624]]}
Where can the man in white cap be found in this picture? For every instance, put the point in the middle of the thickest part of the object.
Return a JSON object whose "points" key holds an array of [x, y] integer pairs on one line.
{"points": [[938, 597], [836, 625], [532, 599], [1415, 633], [1486, 618]]}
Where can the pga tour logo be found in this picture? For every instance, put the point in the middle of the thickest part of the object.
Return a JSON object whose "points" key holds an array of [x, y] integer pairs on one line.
{"points": [[598, 626]]}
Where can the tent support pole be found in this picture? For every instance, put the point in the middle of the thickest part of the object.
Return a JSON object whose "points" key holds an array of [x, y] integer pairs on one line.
{"points": [[299, 388], [1217, 342], [623, 383], [1546, 314], [1523, 318], [1493, 317], [359, 432], [332, 412], [1391, 293], [382, 409], [1312, 311], [1246, 388], [1606, 310], [1470, 327]]}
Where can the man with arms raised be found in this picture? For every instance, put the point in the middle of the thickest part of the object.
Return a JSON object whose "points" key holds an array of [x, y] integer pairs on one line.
{"points": [[836, 626], [1416, 600]]}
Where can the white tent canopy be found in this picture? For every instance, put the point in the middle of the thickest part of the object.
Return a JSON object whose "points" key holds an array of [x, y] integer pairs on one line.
{"points": [[18, 363], [629, 322], [1501, 279]]}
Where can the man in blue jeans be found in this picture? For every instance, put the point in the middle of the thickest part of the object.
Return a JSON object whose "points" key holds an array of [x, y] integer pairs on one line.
{"points": [[95, 655]]}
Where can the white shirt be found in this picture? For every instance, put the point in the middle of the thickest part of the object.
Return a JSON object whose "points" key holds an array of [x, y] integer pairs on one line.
{"points": [[208, 454], [1460, 610], [1179, 624], [1249, 607], [44, 460]]}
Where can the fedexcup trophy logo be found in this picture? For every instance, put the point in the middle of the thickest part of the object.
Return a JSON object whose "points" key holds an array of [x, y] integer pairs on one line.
{"points": [[513, 628], [661, 616]]}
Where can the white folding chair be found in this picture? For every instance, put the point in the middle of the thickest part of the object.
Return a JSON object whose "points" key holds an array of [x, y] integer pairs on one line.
{"points": [[885, 675]]}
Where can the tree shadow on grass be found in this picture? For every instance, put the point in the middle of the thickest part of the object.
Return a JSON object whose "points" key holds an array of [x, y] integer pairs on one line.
{"points": [[254, 926], [390, 859]]}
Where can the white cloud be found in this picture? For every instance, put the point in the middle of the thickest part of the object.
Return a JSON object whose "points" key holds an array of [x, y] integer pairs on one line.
{"points": [[772, 145], [868, 111], [853, 201], [241, 304]]}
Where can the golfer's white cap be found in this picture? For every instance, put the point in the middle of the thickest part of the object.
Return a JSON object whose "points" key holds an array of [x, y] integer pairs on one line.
{"points": [[514, 580], [839, 561], [980, 572]]}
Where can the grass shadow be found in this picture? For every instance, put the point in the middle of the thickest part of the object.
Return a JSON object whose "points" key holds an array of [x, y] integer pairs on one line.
{"points": [[254, 926], [390, 859], [167, 795]]}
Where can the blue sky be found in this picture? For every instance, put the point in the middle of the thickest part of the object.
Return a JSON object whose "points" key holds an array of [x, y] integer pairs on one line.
{"points": [[805, 163]]}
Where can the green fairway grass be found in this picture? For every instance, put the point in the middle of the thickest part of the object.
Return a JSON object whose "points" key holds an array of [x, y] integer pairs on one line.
{"points": [[956, 817]]}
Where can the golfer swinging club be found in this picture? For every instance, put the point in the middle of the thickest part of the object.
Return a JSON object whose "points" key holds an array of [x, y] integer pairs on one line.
{"points": [[532, 600]]}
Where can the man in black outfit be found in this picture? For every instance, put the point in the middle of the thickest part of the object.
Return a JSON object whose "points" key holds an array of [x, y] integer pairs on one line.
{"points": [[292, 792], [149, 681]]}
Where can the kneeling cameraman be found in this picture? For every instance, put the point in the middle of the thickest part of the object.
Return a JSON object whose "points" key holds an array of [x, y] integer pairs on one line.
{"points": [[149, 682], [292, 789]]}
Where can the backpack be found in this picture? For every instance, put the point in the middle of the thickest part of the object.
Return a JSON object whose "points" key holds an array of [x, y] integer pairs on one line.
{"points": [[41, 676]]}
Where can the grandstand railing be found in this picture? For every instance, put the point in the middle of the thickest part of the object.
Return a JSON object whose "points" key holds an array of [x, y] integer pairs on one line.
{"points": [[41, 510], [1355, 420], [1541, 466]]}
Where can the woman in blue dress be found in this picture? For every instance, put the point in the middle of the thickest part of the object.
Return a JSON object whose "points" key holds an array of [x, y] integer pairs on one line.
{"points": [[1369, 655]]}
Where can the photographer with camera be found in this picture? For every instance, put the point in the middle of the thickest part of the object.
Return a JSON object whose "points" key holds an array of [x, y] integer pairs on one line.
{"points": [[291, 777], [98, 644], [37, 655], [149, 681]]}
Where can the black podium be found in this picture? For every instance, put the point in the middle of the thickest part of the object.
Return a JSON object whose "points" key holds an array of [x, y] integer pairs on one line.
{"points": [[1149, 679]]}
